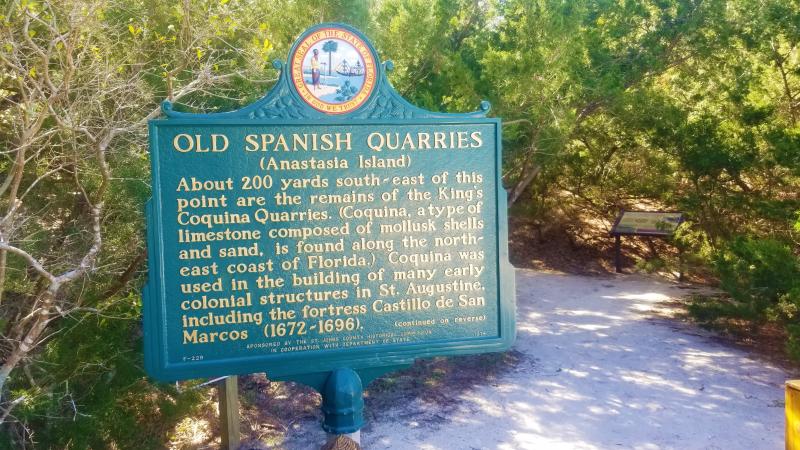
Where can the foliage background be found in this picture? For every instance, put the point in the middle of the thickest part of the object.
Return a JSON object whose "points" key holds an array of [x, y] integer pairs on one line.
{"points": [[673, 104]]}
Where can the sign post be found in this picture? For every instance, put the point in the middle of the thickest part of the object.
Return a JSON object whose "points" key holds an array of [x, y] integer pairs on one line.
{"points": [[327, 234], [228, 390]]}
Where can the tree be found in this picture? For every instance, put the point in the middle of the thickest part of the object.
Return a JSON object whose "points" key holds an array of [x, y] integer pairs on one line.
{"points": [[79, 81], [330, 47]]}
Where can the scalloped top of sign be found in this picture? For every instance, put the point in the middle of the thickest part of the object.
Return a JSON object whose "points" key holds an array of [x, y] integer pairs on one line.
{"points": [[332, 73]]}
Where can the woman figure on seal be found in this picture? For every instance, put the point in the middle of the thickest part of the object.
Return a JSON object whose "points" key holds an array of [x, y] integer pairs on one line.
{"points": [[315, 69]]}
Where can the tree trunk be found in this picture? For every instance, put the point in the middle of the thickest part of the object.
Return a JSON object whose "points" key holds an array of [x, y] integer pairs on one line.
{"points": [[523, 184], [127, 275], [16, 180], [787, 90], [32, 335]]}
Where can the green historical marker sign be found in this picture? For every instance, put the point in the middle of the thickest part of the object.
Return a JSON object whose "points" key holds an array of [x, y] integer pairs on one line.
{"points": [[329, 225]]}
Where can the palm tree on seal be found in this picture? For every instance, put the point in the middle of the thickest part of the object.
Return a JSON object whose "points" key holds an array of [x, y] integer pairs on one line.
{"points": [[330, 47]]}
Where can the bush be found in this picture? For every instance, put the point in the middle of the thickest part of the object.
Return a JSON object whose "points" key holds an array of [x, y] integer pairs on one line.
{"points": [[758, 274], [762, 280], [90, 390]]}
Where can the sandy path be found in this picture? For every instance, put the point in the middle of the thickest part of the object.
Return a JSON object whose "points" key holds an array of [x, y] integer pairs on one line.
{"points": [[600, 372], [601, 375]]}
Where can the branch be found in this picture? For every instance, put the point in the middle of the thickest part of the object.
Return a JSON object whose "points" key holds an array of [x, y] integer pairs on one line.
{"points": [[90, 257], [127, 275], [33, 262], [514, 122], [11, 406]]}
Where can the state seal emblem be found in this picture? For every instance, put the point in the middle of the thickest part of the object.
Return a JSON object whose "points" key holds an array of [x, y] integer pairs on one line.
{"points": [[333, 70]]}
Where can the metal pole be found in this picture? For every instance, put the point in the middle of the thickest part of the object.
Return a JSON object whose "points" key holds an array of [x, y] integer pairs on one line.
{"points": [[229, 412], [618, 253], [343, 409]]}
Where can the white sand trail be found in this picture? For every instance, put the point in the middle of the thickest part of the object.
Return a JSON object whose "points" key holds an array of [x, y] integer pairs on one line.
{"points": [[600, 371]]}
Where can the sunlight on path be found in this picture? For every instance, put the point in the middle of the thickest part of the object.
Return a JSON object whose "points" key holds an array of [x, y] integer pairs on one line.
{"points": [[600, 372]]}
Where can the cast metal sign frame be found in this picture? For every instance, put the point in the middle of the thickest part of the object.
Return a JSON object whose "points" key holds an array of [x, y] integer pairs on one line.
{"points": [[284, 106]]}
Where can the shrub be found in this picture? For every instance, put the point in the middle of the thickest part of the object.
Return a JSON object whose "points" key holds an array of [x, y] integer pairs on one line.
{"points": [[758, 274], [762, 280], [90, 390]]}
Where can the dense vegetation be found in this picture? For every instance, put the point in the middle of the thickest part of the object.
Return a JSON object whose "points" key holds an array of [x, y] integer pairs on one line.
{"points": [[676, 104]]}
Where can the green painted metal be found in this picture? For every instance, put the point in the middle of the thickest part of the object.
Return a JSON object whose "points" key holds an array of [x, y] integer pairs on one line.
{"points": [[342, 402], [375, 344]]}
